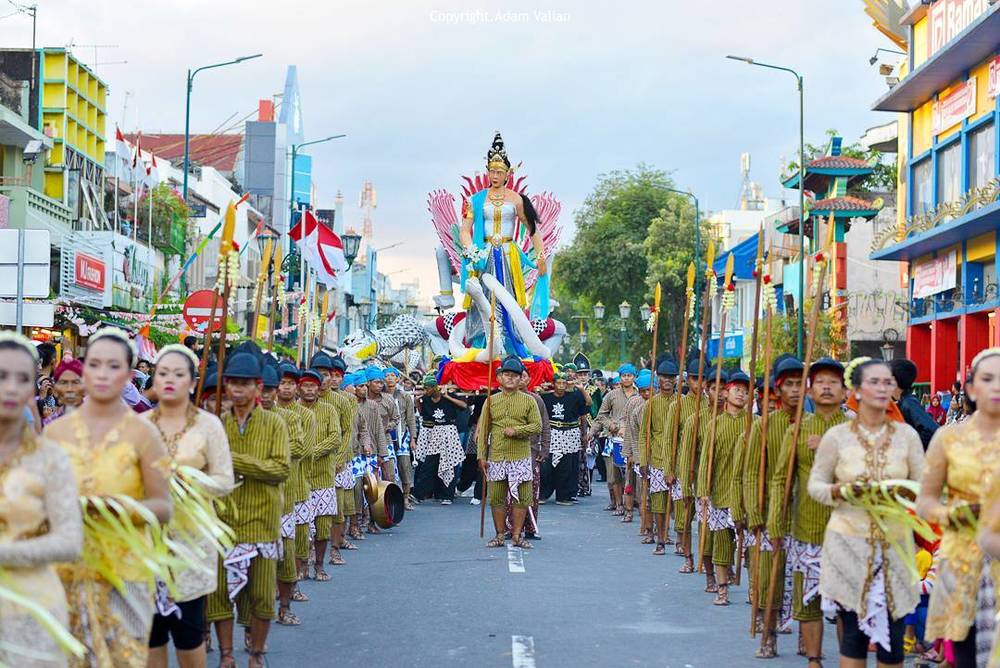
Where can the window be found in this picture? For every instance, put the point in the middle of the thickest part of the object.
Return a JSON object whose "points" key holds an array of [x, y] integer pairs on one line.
{"points": [[949, 167], [921, 187], [982, 155]]}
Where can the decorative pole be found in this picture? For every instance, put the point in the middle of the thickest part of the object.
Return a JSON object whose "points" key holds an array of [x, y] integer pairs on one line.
{"points": [[277, 294], [689, 309], [820, 263], [229, 271], [654, 325], [265, 266], [728, 301]]}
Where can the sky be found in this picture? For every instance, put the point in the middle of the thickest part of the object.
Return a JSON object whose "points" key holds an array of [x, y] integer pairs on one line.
{"points": [[577, 88]]}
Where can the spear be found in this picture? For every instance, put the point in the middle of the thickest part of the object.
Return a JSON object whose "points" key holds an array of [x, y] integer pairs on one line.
{"points": [[766, 401], [757, 267], [265, 265], [649, 416], [275, 277], [703, 531], [226, 257], [821, 261], [688, 300], [705, 321]]}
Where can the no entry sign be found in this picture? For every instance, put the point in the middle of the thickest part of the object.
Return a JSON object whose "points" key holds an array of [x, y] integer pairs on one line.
{"points": [[198, 310]]}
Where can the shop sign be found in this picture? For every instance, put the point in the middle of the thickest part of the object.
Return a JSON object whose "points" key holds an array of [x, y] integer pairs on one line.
{"points": [[935, 275], [89, 272], [947, 18], [956, 106], [994, 77]]}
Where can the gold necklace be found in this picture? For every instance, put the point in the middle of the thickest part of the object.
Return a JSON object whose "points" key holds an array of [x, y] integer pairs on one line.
{"points": [[27, 445], [497, 200], [173, 440]]}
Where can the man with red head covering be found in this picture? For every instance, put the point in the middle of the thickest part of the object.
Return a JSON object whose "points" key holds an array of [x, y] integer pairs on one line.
{"points": [[68, 388]]}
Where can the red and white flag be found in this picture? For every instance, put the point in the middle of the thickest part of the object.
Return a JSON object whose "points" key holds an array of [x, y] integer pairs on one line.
{"points": [[321, 248], [137, 156], [121, 145], [152, 173]]}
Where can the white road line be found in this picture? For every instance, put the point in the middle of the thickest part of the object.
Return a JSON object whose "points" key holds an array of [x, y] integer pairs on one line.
{"points": [[515, 561], [522, 651]]}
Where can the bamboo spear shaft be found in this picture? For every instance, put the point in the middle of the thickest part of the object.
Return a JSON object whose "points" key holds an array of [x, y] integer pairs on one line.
{"points": [[265, 264], [705, 321], [822, 259], [649, 415], [766, 402], [275, 277], [758, 273], [703, 532], [688, 299]]}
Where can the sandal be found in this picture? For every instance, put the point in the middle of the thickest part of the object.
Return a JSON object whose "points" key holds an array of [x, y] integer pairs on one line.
{"points": [[299, 596], [287, 618], [257, 660], [618, 512], [226, 659], [497, 541], [687, 567], [522, 543], [659, 551], [348, 545], [931, 656], [322, 576], [667, 541], [722, 597], [372, 529], [647, 540], [335, 558], [818, 660], [627, 516], [768, 647], [609, 507]]}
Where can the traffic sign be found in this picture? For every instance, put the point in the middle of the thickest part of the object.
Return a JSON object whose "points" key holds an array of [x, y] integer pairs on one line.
{"points": [[198, 310]]}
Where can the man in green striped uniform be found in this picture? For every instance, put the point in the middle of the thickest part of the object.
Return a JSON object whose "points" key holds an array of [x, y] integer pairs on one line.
{"points": [[680, 408], [630, 448], [715, 486], [757, 491], [655, 448], [319, 471], [287, 576], [298, 485], [332, 372], [261, 462], [510, 418], [808, 516], [687, 466]]}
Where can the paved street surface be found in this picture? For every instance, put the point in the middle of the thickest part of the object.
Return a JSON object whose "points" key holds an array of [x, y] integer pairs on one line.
{"points": [[429, 594]]}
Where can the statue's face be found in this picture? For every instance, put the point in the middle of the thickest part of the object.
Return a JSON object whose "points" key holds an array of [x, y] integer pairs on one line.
{"points": [[498, 177]]}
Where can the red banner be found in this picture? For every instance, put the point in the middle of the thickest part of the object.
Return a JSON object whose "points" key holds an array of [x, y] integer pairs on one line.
{"points": [[89, 272], [472, 376]]}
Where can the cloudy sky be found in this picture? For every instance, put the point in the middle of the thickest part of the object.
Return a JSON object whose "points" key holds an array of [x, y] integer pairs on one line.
{"points": [[577, 88]]}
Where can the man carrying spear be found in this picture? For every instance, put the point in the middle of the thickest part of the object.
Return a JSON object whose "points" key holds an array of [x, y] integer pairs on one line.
{"points": [[655, 441], [715, 480], [759, 466], [682, 408], [809, 517]]}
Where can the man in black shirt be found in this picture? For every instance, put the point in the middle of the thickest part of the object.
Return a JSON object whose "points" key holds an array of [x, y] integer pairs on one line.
{"points": [[439, 449], [905, 373], [565, 410]]}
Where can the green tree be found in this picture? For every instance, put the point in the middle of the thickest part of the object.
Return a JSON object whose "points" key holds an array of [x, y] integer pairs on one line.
{"points": [[630, 232], [168, 210], [882, 180]]}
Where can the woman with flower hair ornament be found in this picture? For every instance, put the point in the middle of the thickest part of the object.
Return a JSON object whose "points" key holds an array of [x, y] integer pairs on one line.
{"points": [[962, 461], [866, 577]]}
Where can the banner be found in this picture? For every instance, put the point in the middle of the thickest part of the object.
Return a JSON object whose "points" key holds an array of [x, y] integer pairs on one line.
{"points": [[935, 275], [956, 106]]}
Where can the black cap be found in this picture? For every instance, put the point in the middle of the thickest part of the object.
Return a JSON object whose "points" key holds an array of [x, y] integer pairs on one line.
{"points": [[667, 368], [339, 364], [270, 377], [826, 363], [739, 377], [787, 365], [289, 369], [309, 374], [243, 365], [321, 361], [582, 362], [710, 372], [211, 382], [512, 363], [693, 369]]}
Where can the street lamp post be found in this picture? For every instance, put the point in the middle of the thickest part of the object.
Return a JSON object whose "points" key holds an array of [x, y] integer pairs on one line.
{"points": [[624, 311], [802, 190], [697, 241], [599, 316], [187, 114]]}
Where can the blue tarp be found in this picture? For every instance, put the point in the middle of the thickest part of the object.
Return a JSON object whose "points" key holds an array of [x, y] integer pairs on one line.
{"points": [[744, 256]]}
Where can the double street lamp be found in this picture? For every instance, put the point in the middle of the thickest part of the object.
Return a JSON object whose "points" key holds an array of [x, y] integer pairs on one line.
{"points": [[697, 242], [802, 191], [187, 114]]}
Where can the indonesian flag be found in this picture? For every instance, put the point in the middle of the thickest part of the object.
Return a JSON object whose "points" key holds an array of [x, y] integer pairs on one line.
{"points": [[137, 156], [321, 248], [152, 173], [121, 146]]}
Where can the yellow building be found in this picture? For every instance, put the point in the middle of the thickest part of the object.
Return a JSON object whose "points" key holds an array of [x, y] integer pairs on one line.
{"points": [[73, 113], [949, 183]]}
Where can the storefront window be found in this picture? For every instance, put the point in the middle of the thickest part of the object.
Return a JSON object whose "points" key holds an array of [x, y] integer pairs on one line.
{"points": [[982, 155], [921, 187], [949, 186]]}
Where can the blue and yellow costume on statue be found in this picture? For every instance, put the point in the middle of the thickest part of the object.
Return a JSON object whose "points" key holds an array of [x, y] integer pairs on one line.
{"points": [[499, 253]]}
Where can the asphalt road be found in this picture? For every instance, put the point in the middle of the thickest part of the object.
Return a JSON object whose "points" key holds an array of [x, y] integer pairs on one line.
{"points": [[429, 594]]}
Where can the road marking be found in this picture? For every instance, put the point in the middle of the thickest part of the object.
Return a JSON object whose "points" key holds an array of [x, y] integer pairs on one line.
{"points": [[522, 650], [515, 561]]}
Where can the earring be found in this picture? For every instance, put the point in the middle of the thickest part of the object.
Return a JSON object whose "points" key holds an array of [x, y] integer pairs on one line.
{"points": [[857, 396]]}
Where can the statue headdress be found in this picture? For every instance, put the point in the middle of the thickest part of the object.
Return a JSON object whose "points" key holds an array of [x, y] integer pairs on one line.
{"points": [[496, 157]]}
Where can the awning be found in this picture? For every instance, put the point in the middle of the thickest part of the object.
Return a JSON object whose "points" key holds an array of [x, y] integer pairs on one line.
{"points": [[973, 45], [982, 220], [744, 257]]}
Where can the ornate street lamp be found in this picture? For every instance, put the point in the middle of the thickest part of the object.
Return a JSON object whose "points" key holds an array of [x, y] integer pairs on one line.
{"points": [[352, 242], [625, 310], [599, 311], [644, 311]]}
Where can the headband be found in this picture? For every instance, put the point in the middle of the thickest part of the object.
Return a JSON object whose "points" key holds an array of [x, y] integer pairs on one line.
{"points": [[22, 342], [849, 370], [73, 366], [176, 348], [115, 333]]}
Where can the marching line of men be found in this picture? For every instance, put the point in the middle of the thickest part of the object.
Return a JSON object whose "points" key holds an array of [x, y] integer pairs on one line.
{"points": [[714, 479], [300, 440]]}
